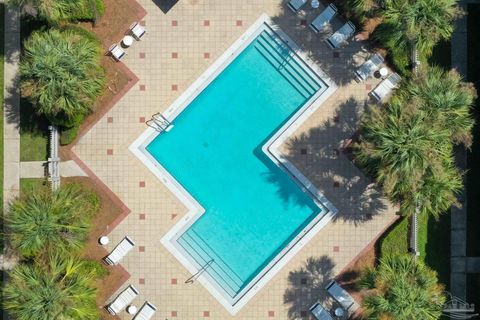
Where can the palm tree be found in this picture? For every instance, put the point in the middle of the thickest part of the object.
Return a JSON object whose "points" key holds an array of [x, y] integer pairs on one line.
{"points": [[445, 98], [61, 74], [57, 288], [55, 11], [42, 221], [402, 288], [411, 156], [411, 25]]}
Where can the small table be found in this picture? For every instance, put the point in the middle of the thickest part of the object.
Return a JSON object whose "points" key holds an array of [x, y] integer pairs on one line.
{"points": [[103, 240], [127, 41], [315, 4], [339, 312], [383, 72], [131, 309]]}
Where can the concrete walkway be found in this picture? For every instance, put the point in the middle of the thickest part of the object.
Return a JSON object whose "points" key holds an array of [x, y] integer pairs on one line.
{"points": [[37, 169], [11, 134]]}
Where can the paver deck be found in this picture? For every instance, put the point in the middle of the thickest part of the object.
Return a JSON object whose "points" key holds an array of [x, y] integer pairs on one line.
{"points": [[178, 47]]}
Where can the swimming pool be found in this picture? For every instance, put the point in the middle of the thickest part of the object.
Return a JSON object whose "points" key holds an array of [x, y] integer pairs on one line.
{"points": [[249, 209]]}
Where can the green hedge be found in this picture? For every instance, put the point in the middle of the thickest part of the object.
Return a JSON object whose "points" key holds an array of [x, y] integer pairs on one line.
{"points": [[87, 10]]}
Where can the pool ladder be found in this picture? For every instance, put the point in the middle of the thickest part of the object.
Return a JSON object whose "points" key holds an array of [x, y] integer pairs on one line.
{"points": [[199, 272], [159, 123]]}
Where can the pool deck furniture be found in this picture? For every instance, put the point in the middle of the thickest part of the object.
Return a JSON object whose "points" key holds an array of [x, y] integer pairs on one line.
{"points": [[120, 251], [146, 312], [295, 5], [339, 38], [320, 313], [127, 41], [385, 87], [341, 296], [324, 18], [116, 52], [137, 31], [367, 69], [124, 299]]}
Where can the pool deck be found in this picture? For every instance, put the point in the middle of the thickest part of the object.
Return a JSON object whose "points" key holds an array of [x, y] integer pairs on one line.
{"points": [[179, 46]]}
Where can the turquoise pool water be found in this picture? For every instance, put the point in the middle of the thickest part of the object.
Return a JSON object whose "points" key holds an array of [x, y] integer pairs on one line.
{"points": [[253, 208]]}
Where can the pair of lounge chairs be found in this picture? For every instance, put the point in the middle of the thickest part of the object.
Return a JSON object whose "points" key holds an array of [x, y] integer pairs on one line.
{"points": [[125, 298], [136, 31], [341, 296], [387, 85], [120, 251], [337, 39]]}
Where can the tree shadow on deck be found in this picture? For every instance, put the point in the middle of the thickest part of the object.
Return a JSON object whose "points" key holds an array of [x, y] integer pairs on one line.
{"points": [[307, 286], [320, 155]]}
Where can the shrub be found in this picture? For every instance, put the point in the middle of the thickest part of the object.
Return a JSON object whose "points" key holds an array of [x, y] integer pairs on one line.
{"points": [[56, 288], [402, 288], [56, 11], [44, 221], [61, 74]]}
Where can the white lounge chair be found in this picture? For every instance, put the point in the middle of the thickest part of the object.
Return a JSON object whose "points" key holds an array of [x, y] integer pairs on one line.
{"points": [[120, 251], [385, 87], [124, 299], [146, 312], [137, 30], [367, 69], [319, 312], [339, 38], [324, 18], [341, 296], [117, 52], [295, 5]]}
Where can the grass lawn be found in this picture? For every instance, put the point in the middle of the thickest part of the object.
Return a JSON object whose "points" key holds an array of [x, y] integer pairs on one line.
{"points": [[27, 184], [473, 157]]}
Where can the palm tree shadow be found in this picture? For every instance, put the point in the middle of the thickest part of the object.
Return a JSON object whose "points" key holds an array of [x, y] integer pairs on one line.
{"points": [[322, 155], [307, 285]]}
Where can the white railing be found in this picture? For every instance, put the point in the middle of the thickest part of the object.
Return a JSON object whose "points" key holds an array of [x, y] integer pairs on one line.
{"points": [[54, 159]]}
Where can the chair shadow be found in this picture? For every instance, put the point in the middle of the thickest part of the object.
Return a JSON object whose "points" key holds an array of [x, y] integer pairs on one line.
{"points": [[307, 285]]}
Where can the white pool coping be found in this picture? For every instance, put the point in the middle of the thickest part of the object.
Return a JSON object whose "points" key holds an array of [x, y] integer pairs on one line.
{"points": [[271, 149]]}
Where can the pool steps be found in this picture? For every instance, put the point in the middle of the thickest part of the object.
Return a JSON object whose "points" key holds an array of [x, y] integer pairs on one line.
{"points": [[218, 269], [283, 59]]}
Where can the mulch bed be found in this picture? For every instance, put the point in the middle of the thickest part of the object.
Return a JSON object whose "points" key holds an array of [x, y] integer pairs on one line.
{"points": [[110, 28]]}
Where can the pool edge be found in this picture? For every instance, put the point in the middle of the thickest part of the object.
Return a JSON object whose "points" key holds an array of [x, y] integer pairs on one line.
{"points": [[195, 210]]}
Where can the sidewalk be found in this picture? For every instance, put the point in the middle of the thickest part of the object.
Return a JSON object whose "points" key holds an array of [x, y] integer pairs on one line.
{"points": [[37, 169], [11, 182]]}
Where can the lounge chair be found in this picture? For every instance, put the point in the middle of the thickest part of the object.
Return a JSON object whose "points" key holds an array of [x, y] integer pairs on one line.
{"points": [[117, 52], [319, 312], [120, 251], [146, 312], [324, 18], [386, 86], [295, 5], [339, 38], [124, 299], [369, 67], [137, 30], [340, 295]]}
